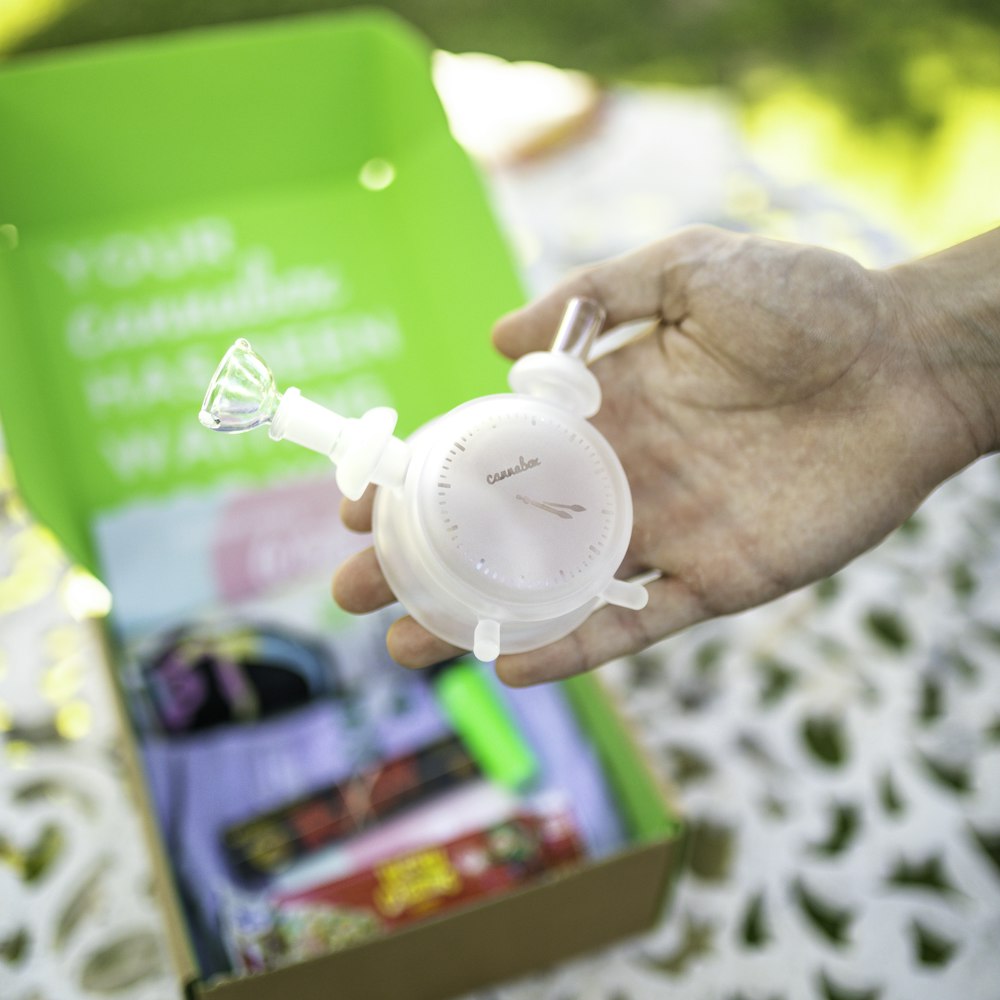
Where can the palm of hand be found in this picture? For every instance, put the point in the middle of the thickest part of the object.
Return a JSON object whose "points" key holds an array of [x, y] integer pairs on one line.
{"points": [[754, 425]]}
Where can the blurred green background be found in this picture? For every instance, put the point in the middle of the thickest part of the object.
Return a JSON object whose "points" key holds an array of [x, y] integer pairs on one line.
{"points": [[897, 102]]}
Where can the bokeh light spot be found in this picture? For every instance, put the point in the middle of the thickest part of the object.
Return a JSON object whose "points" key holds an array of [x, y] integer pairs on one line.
{"points": [[377, 174], [84, 596], [73, 720]]}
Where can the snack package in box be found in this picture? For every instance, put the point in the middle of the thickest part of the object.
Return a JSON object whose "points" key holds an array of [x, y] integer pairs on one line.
{"points": [[291, 925]]}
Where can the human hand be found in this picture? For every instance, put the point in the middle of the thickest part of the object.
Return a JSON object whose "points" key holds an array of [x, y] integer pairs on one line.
{"points": [[781, 417]]}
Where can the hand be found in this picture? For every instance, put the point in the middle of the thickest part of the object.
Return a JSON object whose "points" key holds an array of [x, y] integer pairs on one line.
{"points": [[779, 419]]}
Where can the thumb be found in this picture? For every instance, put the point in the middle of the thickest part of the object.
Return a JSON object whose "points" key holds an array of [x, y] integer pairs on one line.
{"points": [[631, 287]]}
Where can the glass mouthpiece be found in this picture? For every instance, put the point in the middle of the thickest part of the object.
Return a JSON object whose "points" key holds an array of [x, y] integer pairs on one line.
{"points": [[581, 322], [242, 394]]}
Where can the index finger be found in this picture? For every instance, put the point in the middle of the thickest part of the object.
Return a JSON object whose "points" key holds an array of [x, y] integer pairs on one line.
{"points": [[357, 514]]}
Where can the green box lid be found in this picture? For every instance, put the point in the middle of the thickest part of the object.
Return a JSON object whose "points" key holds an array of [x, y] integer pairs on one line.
{"points": [[294, 183]]}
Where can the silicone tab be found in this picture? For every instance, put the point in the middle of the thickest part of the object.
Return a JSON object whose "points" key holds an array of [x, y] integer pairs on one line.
{"points": [[484, 724], [625, 594], [486, 640]]}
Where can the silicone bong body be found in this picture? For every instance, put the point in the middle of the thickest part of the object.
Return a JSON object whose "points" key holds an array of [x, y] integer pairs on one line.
{"points": [[499, 526]]}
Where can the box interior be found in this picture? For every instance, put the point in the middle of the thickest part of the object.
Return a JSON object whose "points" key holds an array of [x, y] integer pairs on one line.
{"points": [[171, 194]]}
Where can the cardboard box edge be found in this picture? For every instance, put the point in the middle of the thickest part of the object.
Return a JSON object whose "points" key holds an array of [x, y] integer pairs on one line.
{"points": [[476, 952]]}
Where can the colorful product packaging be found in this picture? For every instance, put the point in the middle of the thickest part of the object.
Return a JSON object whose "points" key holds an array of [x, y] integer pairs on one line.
{"points": [[270, 843], [268, 932]]}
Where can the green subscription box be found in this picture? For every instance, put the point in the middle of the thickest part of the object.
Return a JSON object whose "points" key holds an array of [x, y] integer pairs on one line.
{"points": [[294, 183]]}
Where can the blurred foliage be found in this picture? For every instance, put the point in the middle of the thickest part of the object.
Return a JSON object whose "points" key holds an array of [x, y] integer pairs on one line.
{"points": [[885, 60], [896, 102]]}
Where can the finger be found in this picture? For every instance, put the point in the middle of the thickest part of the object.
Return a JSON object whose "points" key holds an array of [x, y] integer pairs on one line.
{"points": [[631, 287], [357, 514], [607, 634], [359, 586], [411, 645]]}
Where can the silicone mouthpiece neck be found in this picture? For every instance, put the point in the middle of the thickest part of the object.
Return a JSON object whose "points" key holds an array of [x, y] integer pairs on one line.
{"points": [[242, 394]]}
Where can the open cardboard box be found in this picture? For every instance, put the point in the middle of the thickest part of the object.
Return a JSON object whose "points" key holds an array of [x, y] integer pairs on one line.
{"points": [[295, 183]]}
